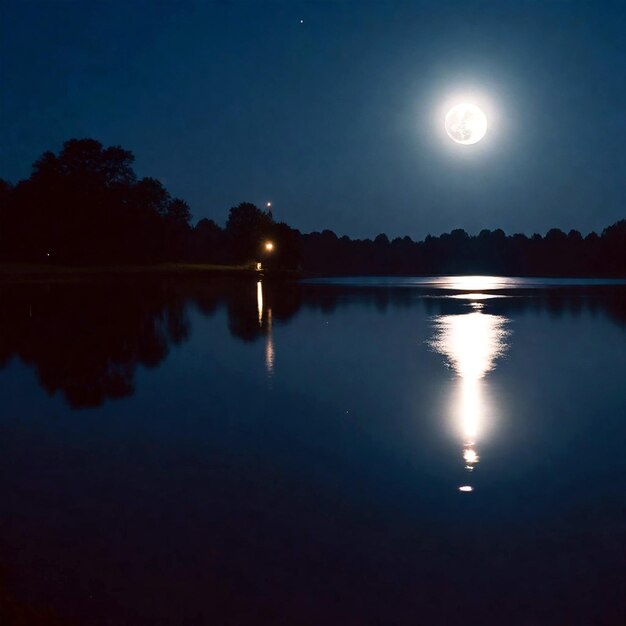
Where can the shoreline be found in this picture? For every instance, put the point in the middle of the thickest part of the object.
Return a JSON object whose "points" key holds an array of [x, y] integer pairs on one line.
{"points": [[14, 272], [66, 273]]}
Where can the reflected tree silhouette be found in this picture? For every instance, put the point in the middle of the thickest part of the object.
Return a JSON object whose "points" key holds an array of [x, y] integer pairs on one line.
{"points": [[609, 300], [15, 612], [282, 299], [86, 340]]}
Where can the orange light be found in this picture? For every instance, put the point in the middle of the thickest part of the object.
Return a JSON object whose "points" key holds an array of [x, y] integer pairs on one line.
{"points": [[269, 246]]}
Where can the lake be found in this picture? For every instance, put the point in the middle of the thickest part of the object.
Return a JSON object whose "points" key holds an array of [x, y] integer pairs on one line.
{"points": [[365, 451]]}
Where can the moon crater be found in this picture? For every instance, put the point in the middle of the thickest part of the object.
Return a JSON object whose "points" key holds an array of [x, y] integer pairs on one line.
{"points": [[466, 124]]}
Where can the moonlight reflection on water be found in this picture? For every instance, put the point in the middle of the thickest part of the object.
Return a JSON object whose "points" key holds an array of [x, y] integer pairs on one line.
{"points": [[471, 343]]}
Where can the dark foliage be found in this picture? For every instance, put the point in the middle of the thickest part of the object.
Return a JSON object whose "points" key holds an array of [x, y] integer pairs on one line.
{"points": [[490, 252], [85, 206]]}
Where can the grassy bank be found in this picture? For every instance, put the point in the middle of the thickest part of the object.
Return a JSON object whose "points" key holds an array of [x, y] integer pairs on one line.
{"points": [[60, 273]]}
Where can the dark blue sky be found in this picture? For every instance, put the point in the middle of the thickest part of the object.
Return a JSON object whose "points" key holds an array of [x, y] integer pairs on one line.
{"points": [[337, 120]]}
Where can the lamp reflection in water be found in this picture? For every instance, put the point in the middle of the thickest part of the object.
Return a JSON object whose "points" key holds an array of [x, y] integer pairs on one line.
{"points": [[259, 301], [471, 343], [269, 339]]}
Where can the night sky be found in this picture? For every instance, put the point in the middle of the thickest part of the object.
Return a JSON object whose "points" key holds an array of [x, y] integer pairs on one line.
{"points": [[334, 110]]}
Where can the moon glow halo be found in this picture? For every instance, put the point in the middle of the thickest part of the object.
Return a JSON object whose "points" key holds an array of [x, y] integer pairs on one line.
{"points": [[466, 123]]}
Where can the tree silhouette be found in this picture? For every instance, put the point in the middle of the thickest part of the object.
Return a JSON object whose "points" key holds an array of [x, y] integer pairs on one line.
{"points": [[207, 243], [457, 252], [247, 228], [85, 206]]}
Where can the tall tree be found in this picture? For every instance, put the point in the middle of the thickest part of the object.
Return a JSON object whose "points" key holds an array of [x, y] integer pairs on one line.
{"points": [[246, 229]]}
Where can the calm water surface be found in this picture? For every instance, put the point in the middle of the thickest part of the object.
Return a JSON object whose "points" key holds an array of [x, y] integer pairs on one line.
{"points": [[364, 451]]}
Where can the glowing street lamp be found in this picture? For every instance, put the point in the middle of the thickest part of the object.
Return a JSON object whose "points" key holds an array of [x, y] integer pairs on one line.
{"points": [[268, 248]]}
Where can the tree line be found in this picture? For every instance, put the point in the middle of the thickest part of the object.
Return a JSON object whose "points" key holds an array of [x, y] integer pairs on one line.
{"points": [[489, 252], [86, 206]]}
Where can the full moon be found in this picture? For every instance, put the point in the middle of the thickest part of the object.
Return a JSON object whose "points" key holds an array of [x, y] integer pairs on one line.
{"points": [[466, 124]]}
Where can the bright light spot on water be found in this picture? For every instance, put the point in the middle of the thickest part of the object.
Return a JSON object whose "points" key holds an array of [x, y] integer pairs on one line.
{"points": [[471, 343], [259, 301], [470, 406], [476, 296], [466, 488], [470, 456], [475, 283]]}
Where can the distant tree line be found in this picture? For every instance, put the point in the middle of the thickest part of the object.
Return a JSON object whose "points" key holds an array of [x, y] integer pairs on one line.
{"points": [[86, 206], [489, 252]]}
